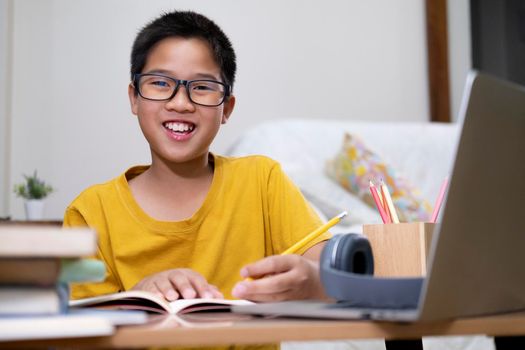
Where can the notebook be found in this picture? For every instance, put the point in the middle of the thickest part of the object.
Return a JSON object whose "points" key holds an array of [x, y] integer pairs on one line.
{"points": [[476, 263]]}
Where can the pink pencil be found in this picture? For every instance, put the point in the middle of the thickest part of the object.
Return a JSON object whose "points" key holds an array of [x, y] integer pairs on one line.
{"points": [[384, 216], [439, 200]]}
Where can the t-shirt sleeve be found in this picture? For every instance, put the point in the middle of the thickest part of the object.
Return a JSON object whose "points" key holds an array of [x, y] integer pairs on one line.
{"points": [[74, 218], [291, 217]]}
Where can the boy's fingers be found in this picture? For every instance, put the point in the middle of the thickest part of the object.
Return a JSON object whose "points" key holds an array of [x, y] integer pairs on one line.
{"points": [[217, 294], [201, 286], [264, 289], [182, 285], [270, 265], [215, 291], [179, 283], [149, 286], [166, 289]]}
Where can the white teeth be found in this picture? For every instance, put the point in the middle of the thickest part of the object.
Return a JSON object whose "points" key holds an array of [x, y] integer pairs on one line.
{"points": [[180, 127]]}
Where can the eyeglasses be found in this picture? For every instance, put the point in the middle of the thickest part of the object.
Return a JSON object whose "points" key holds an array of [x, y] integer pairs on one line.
{"points": [[157, 87]]}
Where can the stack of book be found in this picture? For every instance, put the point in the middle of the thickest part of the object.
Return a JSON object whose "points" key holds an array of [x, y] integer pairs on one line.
{"points": [[38, 262]]}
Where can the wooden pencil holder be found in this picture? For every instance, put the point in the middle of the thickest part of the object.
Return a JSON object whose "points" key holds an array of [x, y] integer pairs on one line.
{"points": [[400, 250]]}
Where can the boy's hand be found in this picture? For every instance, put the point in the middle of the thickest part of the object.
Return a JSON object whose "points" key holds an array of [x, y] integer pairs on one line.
{"points": [[178, 284], [280, 277]]}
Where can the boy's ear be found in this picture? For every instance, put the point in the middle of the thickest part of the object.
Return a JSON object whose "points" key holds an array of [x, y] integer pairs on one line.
{"points": [[132, 99], [229, 104]]}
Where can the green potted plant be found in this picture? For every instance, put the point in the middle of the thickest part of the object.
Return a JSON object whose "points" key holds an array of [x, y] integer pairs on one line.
{"points": [[33, 190]]}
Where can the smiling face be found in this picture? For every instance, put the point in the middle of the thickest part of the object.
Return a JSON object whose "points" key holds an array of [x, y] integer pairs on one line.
{"points": [[177, 130]]}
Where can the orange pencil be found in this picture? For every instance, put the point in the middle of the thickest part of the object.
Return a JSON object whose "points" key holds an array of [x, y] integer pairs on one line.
{"points": [[382, 197], [389, 204]]}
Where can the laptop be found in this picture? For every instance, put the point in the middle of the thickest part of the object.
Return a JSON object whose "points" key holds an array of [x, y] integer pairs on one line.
{"points": [[477, 258]]}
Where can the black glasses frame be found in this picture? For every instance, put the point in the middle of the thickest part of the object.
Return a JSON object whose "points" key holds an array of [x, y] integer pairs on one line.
{"points": [[179, 82]]}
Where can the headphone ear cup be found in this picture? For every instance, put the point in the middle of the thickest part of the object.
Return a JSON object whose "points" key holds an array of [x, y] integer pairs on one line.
{"points": [[345, 266], [329, 252], [353, 253]]}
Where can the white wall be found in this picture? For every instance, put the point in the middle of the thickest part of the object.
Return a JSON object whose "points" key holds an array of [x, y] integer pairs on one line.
{"points": [[5, 35], [346, 59], [459, 51]]}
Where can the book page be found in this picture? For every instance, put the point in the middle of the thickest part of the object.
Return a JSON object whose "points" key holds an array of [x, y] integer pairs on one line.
{"points": [[199, 319], [185, 306], [142, 300], [129, 300]]}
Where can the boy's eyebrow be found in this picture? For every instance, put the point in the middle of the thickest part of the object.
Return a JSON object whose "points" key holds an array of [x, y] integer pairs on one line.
{"points": [[169, 74]]}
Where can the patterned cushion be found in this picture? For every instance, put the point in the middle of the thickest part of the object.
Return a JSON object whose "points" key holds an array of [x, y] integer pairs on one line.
{"points": [[355, 165]]}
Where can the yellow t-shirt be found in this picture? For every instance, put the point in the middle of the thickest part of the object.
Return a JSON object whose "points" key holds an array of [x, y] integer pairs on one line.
{"points": [[251, 211]]}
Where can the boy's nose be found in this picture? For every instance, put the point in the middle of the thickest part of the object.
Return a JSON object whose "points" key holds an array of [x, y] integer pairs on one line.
{"points": [[181, 101]]}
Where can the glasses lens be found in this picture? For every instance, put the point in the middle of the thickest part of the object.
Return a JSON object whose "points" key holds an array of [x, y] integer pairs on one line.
{"points": [[156, 87], [207, 93]]}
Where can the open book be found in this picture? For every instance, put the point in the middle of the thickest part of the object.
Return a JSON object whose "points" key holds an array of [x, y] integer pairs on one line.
{"points": [[141, 300]]}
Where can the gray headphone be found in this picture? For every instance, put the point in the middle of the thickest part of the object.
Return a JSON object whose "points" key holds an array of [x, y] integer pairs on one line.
{"points": [[347, 267]]}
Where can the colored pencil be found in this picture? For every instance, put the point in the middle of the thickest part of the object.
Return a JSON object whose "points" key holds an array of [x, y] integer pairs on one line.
{"points": [[314, 234], [382, 213], [439, 200], [389, 204]]}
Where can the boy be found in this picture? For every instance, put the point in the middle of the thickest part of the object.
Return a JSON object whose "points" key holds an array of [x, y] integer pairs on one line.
{"points": [[185, 225]]}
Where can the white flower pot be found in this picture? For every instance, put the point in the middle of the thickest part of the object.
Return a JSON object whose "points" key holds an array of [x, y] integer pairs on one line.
{"points": [[34, 209]]}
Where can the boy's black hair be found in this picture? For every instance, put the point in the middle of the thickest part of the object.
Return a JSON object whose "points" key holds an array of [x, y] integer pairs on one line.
{"points": [[185, 24]]}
